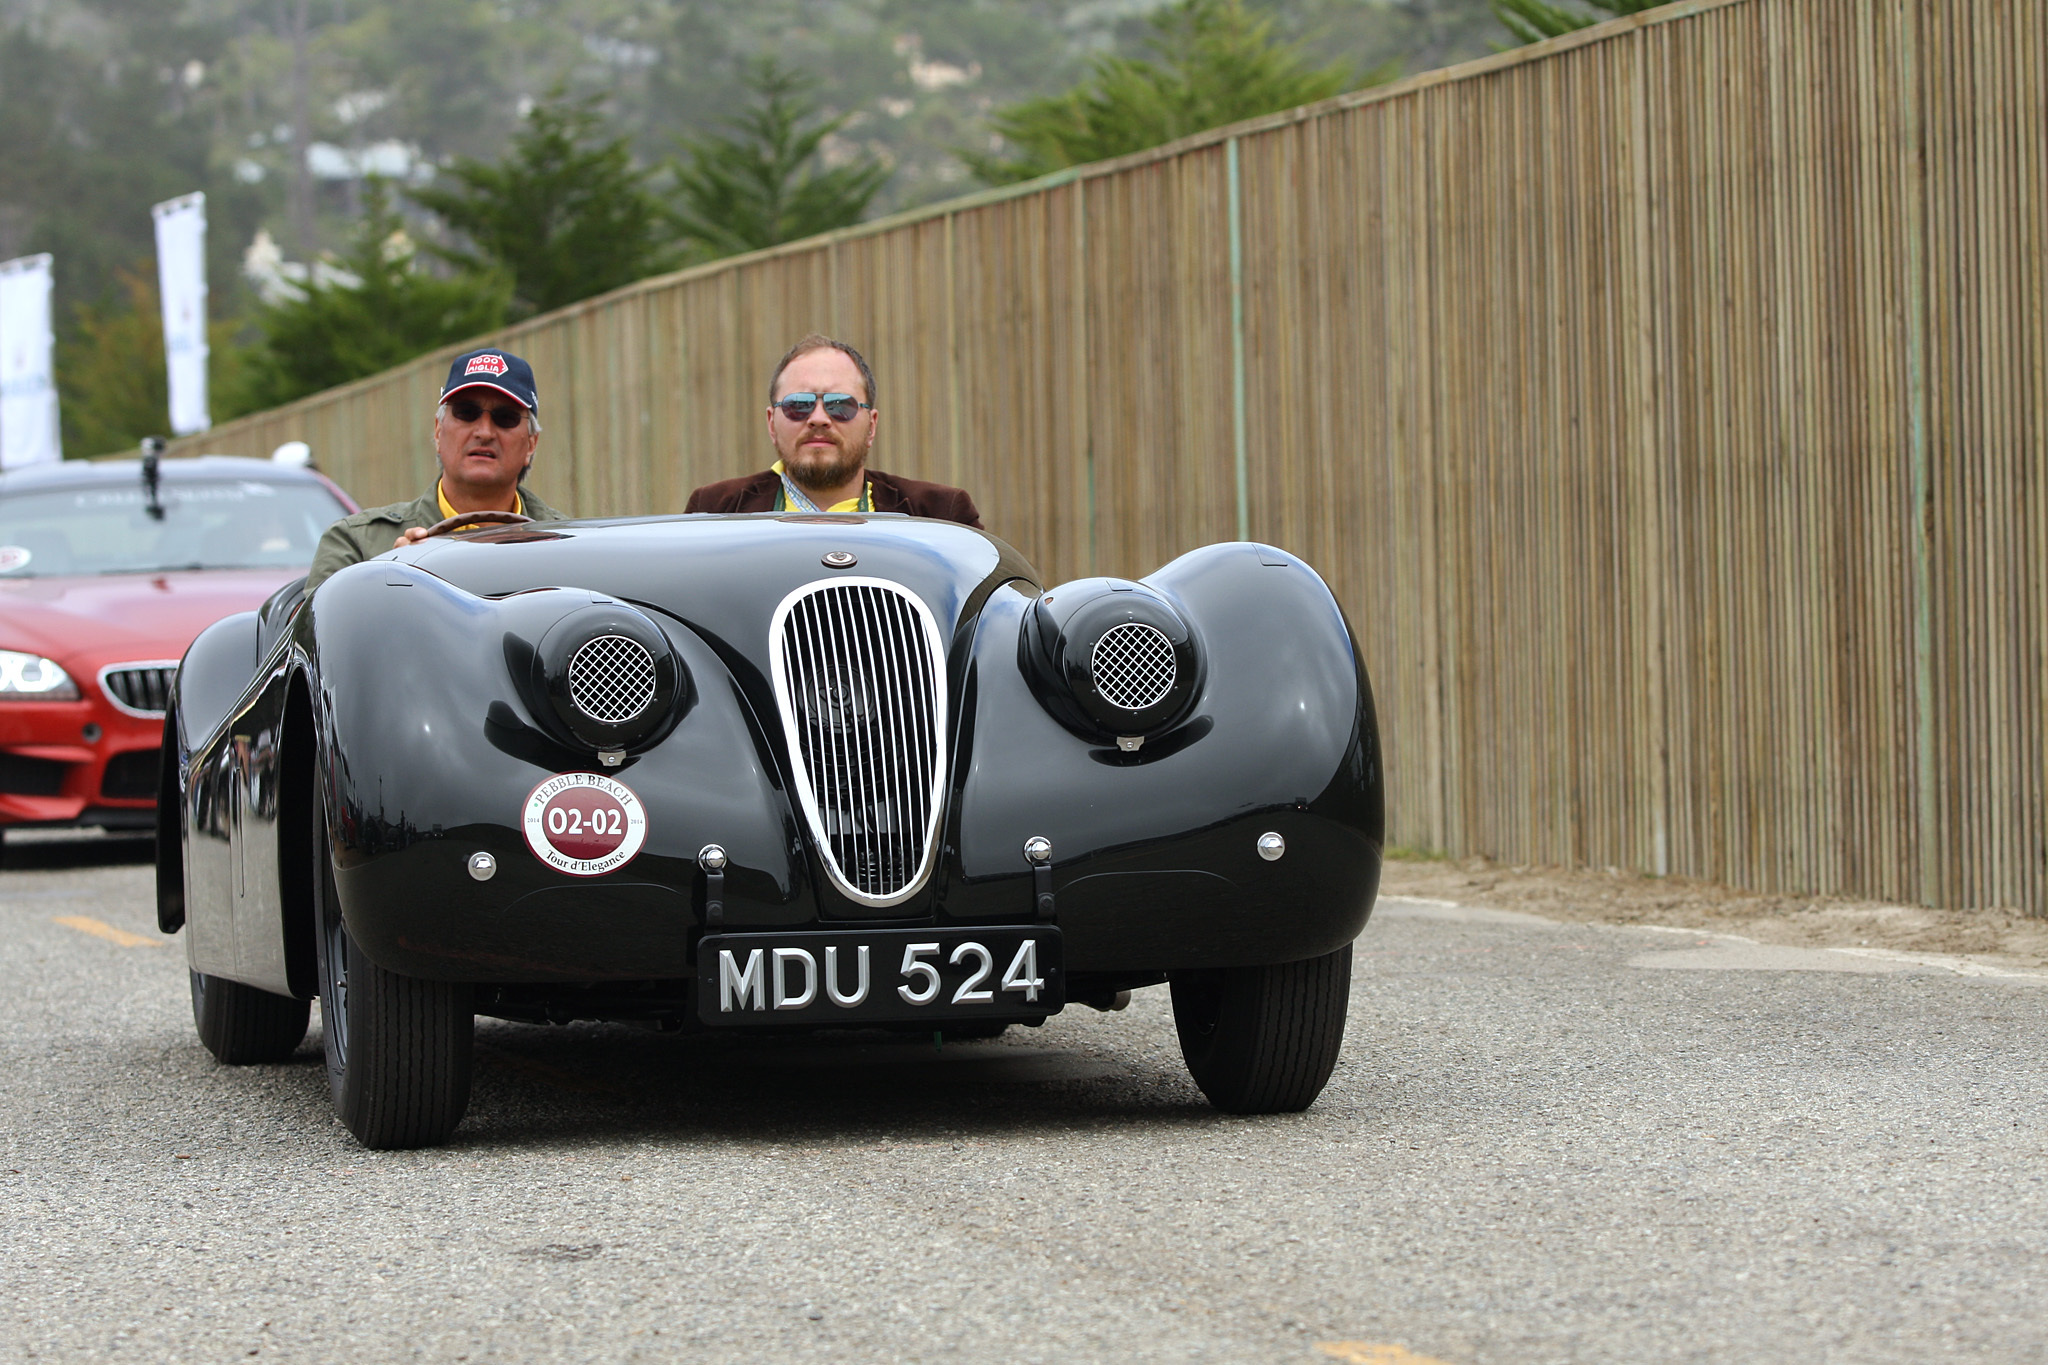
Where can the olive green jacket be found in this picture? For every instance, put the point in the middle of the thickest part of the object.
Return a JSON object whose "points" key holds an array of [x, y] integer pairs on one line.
{"points": [[372, 531]]}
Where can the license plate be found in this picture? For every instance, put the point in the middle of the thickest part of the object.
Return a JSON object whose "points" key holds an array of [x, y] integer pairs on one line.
{"points": [[878, 975]]}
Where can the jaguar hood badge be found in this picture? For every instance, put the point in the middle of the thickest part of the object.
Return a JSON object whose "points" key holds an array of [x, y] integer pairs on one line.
{"points": [[839, 559]]}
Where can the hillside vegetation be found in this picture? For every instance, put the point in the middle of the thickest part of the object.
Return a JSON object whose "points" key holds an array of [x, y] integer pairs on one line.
{"points": [[287, 111]]}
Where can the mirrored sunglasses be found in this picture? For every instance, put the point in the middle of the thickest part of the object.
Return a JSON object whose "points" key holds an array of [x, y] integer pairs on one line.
{"points": [[840, 407]]}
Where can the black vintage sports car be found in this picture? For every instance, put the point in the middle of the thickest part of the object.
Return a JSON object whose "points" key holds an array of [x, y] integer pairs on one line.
{"points": [[768, 771]]}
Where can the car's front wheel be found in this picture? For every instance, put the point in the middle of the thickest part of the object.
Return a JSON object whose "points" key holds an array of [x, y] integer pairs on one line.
{"points": [[398, 1048], [1263, 1040], [243, 1026]]}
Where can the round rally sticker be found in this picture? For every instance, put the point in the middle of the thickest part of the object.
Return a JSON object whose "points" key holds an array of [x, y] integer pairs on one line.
{"points": [[584, 824]]}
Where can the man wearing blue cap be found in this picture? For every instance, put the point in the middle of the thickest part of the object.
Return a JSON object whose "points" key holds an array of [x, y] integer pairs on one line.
{"points": [[485, 431]]}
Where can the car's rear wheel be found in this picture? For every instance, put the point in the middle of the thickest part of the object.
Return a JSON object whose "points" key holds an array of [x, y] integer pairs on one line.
{"points": [[243, 1026], [1263, 1040], [398, 1048]]}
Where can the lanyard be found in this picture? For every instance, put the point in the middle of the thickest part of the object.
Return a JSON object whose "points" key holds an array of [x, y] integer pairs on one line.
{"points": [[792, 498]]}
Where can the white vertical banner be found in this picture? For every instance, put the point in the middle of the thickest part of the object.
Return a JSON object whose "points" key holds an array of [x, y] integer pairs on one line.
{"points": [[29, 432], [181, 278]]}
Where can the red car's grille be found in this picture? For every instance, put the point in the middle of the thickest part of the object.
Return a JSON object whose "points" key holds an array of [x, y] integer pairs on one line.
{"points": [[140, 689]]}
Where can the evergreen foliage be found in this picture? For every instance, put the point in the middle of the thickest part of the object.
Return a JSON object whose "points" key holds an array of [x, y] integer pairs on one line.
{"points": [[1216, 62], [1531, 21], [111, 364], [764, 181], [564, 216], [336, 332], [278, 108], [112, 389]]}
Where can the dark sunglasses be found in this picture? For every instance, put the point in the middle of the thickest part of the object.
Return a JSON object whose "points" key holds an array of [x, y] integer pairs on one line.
{"points": [[505, 416], [840, 407]]}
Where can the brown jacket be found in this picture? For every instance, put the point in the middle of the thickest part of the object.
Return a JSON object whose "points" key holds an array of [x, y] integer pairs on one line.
{"points": [[892, 493]]}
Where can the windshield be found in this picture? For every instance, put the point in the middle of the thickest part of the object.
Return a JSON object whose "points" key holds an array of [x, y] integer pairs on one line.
{"points": [[207, 524]]}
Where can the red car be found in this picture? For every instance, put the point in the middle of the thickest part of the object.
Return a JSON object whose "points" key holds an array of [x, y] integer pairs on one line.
{"points": [[107, 571]]}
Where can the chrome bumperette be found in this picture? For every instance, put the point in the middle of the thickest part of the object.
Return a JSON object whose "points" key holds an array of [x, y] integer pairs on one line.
{"points": [[860, 682], [141, 687]]}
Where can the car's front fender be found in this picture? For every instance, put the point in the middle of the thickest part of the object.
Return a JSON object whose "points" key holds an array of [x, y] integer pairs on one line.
{"points": [[429, 752], [1155, 852]]}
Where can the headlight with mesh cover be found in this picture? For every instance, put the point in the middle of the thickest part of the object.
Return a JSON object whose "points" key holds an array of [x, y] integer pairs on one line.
{"points": [[602, 676], [1112, 659]]}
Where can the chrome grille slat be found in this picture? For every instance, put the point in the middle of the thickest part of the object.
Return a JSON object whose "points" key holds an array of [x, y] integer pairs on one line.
{"points": [[850, 734], [893, 793], [822, 736], [868, 766], [859, 682], [887, 815]]}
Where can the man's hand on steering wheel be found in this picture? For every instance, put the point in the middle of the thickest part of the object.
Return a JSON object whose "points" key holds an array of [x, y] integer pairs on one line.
{"points": [[461, 521]]}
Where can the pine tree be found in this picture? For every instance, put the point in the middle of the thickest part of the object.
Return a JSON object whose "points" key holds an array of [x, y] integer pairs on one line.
{"points": [[111, 387], [1531, 21], [110, 371], [1216, 63], [338, 331], [566, 215], [764, 183]]}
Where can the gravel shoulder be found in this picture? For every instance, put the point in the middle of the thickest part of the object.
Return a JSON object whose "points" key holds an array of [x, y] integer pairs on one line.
{"points": [[1995, 938]]}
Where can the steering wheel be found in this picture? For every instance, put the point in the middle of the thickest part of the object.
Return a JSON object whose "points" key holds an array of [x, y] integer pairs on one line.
{"points": [[470, 521]]}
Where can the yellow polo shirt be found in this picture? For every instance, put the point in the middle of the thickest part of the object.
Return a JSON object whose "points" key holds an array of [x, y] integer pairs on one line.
{"points": [[448, 508], [850, 504]]}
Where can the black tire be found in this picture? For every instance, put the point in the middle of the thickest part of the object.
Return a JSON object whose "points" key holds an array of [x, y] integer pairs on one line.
{"points": [[1263, 1040], [244, 1026], [398, 1048]]}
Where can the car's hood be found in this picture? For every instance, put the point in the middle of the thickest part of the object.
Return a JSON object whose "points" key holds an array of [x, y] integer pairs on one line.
{"points": [[103, 618], [724, 575]]}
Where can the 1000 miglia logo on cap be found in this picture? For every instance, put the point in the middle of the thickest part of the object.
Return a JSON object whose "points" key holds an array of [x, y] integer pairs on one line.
{"points": [[485, 364], [584, 824]]}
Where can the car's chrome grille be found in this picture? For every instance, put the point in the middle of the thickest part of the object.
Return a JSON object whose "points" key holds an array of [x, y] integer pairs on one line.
{"points": [[611, 679], [140, 689], [1134, 666], [860, 682]]}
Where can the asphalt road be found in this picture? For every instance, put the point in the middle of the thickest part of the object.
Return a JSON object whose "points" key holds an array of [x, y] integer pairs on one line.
{"points": [[1544, 1143]]}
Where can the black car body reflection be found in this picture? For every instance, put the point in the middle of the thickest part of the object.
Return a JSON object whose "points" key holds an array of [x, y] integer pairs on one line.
{"points": [[554, 773]]}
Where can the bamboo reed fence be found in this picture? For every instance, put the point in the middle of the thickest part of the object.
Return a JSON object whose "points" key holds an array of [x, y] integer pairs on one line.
{"points": [[1664, 403]]}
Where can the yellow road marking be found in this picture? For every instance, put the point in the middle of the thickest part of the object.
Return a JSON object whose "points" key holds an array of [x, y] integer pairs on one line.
{"points": [[108, 932], [1373, 1353]]}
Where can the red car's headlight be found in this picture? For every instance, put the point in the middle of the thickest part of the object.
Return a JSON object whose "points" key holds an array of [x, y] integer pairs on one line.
{"points": [[30, 677]]}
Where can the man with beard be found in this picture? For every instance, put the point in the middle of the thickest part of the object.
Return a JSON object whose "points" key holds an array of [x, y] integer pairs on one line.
{"points": [[485, 431], [822, 419]]}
